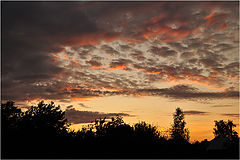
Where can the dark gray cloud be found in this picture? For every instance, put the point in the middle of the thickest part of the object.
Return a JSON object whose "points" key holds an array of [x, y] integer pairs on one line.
{"points": [[94, 63], [208, 63], [49, 90], [230, 115], [75, 116], [178, 46], [223, 47], [109, 50], [186, 92], [192, 61], [138, 55], [193, 112], [173, 72], [232, 69], [70, 106], [32, 30], [187, 55], [124, 47], [163, 51], [83, 105], [219, 105], [119, 63]]}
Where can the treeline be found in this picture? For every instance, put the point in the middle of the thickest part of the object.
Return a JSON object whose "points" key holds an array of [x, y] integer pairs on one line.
{"points": [[43, 132]]}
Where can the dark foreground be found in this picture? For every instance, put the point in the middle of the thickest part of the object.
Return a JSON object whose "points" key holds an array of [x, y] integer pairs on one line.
{"points": [[42, 132], [35, 147]]}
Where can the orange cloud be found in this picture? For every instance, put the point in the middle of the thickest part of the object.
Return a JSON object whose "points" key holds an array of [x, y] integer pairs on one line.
{"points": [[209, 16], [117, 66], [176, 34], [55, 58], [202, 80], [110, 89], [97, 67], [208, 85], [156, 19], [215, 18], [132, 41], [96, 38], [192, 81], [66, 57], [152, 72], [155, 31], [147, 70], [168, 34], [82, 98]]}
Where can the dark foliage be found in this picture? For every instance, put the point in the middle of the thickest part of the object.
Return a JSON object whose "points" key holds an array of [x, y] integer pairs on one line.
{"points": [[224, 129], [10, 116], [43, 132], [178, 131]]}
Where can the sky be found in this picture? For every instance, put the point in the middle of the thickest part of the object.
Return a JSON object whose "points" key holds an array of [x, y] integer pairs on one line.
{"points": [[139, 60]]}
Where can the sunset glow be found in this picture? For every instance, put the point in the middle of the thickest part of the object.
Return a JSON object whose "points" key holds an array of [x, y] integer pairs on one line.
{"points": [[140, 60]]}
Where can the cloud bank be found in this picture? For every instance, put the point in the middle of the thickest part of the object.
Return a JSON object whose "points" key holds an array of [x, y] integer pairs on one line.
{"points": [[74, 116], [83, 50]]}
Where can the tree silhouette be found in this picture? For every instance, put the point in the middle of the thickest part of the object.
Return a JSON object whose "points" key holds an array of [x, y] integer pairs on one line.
{"points": [[45, 117], [43, 132], [10, 115], [42, 125], [178, 130], [146, 132], [116, 128], [224, 129]]}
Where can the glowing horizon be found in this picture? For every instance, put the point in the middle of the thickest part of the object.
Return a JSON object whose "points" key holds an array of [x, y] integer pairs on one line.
{"points": [[141, 60]]}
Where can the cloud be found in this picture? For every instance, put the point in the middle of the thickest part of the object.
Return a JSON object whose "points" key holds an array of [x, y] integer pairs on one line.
{"points": [[124, 47], [119, 64], [193, 112], [178, 46], [186, 55], [32, 31], [138, 55], [67, 57], [163, 51], [209, 63], [64, 101], [75, 116], [70, 106], [216, 19], [230, 115], [232, 69], [222, 105], [186, 92], [83, 105], [109, 50], [95, 64], [50, 90]]}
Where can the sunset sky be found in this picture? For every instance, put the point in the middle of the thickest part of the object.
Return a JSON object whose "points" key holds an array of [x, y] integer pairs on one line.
{"points": [[139, 60]]}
